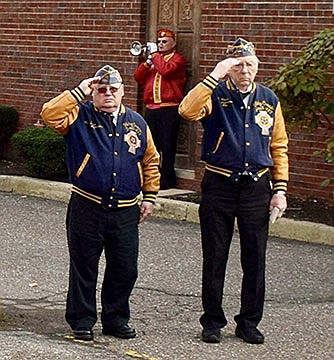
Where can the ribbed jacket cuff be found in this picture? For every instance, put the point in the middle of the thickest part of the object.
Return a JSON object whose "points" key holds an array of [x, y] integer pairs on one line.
{"points": [[78, 94], [150, 197], [280, 185], [210, 82]]}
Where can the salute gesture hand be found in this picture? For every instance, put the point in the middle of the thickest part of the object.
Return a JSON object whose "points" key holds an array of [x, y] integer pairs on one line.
{"points": [[87, 85], [223, 67]]}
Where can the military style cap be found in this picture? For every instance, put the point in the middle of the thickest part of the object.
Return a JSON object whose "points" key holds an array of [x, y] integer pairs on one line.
{"points": [[167, 33], [109, 75], [240, 48]]}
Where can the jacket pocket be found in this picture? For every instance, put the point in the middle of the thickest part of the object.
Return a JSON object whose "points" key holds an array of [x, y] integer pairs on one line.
{"points": [[141, 176], [83, 165], [218, 142]]}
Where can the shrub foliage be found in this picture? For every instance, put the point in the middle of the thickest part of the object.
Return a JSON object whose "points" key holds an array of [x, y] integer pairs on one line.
{"points": [[305, 89], [42, 150], [305, 86]]}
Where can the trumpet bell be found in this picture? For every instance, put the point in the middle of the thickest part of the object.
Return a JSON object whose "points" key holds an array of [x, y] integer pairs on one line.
{"points": [[136, 48]]}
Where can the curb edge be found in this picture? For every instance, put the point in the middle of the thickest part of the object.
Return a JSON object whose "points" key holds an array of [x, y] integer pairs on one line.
{"points": [[169, 209]]}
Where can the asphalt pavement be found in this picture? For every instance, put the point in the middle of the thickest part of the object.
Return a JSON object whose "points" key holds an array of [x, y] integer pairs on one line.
{"points": [[166, 304]]}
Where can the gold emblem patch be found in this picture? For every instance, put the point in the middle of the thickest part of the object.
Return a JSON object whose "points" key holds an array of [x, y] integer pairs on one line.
{"points": [[131, 138], [265, 121]]}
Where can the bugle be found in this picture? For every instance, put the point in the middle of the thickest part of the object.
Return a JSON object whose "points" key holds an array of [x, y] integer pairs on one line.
{"points": [[137, 48]]}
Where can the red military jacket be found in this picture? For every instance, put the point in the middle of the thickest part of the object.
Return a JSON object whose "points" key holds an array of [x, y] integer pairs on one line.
{"points": [[164, 80]]}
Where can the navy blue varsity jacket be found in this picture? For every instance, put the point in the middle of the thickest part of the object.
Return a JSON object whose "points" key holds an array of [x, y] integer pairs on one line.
{"points": [[239, 139], [110, 167]]}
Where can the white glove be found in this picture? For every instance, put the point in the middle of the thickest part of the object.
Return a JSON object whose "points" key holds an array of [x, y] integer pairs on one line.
{"points": [[149, 60], [151, 47]]}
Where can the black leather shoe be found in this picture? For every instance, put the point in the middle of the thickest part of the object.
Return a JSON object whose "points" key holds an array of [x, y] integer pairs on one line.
{"points": [[250, 335], [85, 335], [211, 336], [122, 331]]}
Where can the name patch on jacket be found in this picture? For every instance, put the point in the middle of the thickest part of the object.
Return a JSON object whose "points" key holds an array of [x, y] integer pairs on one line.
{"points": [[131, 138], [93, 125], [225, 102], [264, 116]]}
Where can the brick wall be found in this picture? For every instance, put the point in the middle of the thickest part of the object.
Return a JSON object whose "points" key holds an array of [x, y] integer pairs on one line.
{"points": [[278, 28], [49, 46], [307, 169]]}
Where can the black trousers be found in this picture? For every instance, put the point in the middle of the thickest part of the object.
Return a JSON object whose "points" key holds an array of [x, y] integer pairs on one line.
{"points": [[90, 230], [164, 124], [223, 201]]}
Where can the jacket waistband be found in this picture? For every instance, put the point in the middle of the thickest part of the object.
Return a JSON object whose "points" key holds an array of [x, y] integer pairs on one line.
{"points": [[109, 202]]}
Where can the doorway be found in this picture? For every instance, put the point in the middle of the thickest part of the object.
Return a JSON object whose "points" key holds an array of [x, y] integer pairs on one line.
{"points": [[183, 18]]}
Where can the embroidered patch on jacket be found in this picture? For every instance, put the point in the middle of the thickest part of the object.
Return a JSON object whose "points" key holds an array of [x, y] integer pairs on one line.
{"points": [[93, 125], [263, 106], [265, 121], [225, 102], [131, 138], [131, 126]]}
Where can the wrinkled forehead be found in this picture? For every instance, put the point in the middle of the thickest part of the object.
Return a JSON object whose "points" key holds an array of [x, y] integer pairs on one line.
{"points": [[251, 59]]}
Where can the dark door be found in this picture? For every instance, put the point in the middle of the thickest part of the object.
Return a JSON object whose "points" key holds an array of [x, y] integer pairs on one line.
{"points": [[183, 17]]}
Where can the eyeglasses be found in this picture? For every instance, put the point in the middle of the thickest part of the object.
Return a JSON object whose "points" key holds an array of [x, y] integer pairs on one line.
{"points": [[103, 90], [162, 41]]}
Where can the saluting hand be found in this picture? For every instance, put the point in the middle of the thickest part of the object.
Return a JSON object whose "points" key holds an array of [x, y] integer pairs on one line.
{"points": [[87, 85], [223, 67]]}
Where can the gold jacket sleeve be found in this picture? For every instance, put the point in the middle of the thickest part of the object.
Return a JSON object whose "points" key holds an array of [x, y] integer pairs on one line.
{"points": [[279, 148], [151, 181], [60, 112], [197, 103]]}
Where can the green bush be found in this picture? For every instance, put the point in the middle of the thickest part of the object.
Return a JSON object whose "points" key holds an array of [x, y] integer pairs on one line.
{"points": [[42, 150], [305, 88], [9, 118]]}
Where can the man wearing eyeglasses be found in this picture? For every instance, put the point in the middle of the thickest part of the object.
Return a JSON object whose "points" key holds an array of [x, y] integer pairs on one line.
{"points": [[244, 148], [111, 159], [163, 75]]}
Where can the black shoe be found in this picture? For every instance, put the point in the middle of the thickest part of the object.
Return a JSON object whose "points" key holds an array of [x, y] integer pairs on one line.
{"points": [[211, 336], [250, 335], [122, 331], [85, 335]]}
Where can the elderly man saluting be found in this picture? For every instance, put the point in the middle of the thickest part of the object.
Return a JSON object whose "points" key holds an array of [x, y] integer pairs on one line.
{"points": [[244, 148], [111, 158]]}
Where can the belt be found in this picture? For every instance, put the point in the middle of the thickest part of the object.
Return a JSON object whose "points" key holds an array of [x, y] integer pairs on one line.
{"points": [[236, 176]]}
